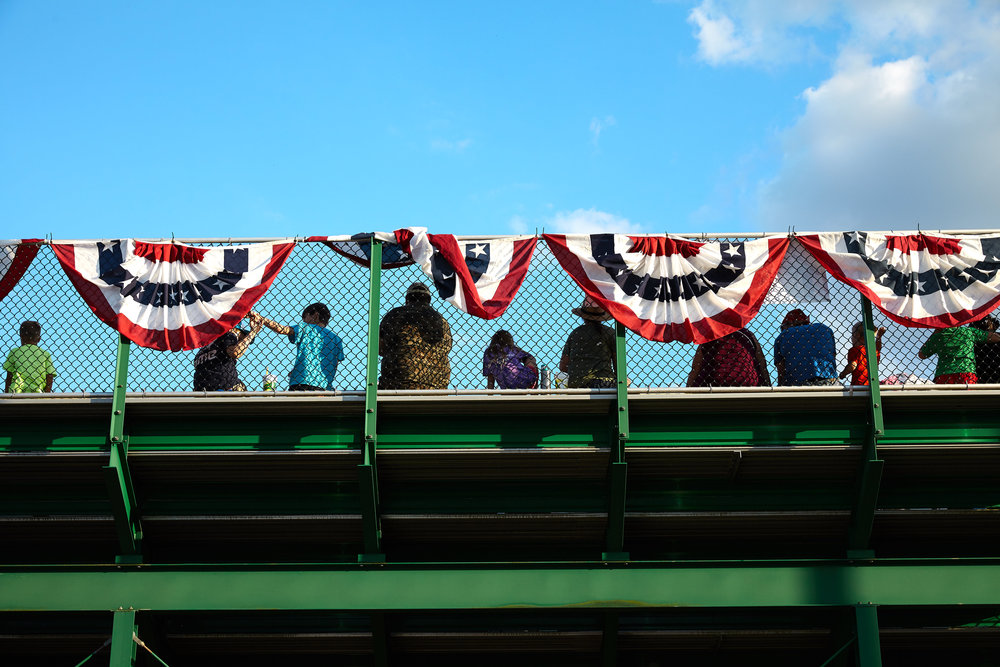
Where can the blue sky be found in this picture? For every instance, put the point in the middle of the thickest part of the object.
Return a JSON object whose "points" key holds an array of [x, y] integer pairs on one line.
{"points": [[219, 119]]}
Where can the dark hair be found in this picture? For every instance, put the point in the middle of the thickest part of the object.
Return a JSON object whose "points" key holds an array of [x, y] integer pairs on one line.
{"points": [[501, 339], [987, 323], [31, 330], [318, 309]]}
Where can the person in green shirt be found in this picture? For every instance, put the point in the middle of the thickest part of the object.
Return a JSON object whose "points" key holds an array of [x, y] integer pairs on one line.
{"points": [[955, 350], [29, 367]]}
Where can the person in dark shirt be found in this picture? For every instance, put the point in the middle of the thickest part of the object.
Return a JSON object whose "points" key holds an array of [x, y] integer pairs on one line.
{"points": [[987, 354], [589, 354], [414, 342], [215, 364]]}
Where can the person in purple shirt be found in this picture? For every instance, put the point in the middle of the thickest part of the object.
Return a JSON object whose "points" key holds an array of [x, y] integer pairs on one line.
{"points": [[507, 365]]}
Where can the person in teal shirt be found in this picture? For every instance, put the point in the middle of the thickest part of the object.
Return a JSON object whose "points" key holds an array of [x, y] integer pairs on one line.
{"points": [[29, 367], [317, 349]]}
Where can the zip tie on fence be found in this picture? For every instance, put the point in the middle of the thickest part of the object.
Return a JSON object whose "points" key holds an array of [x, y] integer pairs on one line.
{"points": [[141, 643], [98, 650]]}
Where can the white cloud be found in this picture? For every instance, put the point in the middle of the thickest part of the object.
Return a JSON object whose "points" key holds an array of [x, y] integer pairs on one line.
{"points": [[447, 146], [597, 126], [905, 131], [590, 221], [518, 224]]}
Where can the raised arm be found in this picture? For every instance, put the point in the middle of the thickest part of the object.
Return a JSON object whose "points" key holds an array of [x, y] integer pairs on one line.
{"points": [[272, 325], [236, 351]]}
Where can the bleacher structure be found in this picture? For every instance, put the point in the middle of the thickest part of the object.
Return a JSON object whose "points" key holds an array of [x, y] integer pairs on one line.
{"points": [[642, 525]]}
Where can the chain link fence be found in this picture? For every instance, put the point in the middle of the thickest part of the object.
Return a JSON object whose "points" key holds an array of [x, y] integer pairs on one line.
{"points": [[539, 320]]}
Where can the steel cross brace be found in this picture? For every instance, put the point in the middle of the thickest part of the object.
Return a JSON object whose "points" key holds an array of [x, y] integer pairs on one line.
{"points": [[870, 472], [367, 470], [618, 468], [116, 474]]}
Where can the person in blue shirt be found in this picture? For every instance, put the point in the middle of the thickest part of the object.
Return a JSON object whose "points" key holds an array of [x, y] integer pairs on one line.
{"points": [[317, 349], [805, 353]]}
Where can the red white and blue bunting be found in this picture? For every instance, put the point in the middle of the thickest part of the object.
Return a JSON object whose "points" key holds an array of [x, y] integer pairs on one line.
{"points": [[670, 289], [917, 280], [169, 296], [15, 258], [478, 277], [358, 249]]}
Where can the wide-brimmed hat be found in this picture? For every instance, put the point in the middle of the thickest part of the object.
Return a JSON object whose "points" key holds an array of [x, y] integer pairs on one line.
{"points": [[794, 318], [591, 310]]}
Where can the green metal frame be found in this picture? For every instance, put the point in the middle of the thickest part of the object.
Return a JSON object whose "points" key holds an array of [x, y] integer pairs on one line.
{"points": [[117, 475], [123, 644], [870, 472], [869, 650], [368, 470], [617, 467], [483, 586]]}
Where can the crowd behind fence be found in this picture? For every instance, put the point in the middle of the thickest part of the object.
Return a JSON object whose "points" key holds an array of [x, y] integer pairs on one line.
{"points": [[539, 319]]}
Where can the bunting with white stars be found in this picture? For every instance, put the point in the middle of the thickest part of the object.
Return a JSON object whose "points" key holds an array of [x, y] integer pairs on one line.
{"points": [[669, 289], [169, 296], [15, 258], [917, 280], [479, 277]]}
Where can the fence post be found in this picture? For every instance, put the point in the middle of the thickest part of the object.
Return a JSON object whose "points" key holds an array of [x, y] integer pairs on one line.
{"points": [[617, 467], [117, 474], [870, 473], [367, 470]]}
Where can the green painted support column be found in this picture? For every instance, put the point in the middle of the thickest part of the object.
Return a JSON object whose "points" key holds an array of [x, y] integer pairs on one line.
{"points": [[380, 641], [618, 468], [870, 473], [116, 473], [609, 642], [367, 470], [868, 646], [122, 639]]}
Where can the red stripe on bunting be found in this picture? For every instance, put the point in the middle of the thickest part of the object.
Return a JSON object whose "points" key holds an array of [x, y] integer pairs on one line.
{"points": [[25, 253], [811, 243], [701, 331]]}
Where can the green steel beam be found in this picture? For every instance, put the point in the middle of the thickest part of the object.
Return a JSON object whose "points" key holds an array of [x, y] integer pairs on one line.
{"points": [[869, 651], [870, 471], [618, 468], [594, 586], [368, 470], [123, 639], [116, 474]]}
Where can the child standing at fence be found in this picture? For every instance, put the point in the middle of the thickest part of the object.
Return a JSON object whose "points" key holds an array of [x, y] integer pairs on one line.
{"points": [[317, 349], [508, 365], [857, 359], [29, 367]]}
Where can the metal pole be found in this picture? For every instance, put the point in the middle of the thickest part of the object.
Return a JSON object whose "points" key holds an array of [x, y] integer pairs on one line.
{"points": [[869, 648], [122, 643], [367, 470], [117, 475], [618, 468]]}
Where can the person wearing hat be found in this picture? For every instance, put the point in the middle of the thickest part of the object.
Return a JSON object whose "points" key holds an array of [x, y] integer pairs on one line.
{"points": [[805, 352], [414, 343], [589, 354], [215, 364]]}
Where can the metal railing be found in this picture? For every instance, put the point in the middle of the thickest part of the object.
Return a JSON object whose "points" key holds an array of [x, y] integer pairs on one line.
{"points": [[539, 320]]}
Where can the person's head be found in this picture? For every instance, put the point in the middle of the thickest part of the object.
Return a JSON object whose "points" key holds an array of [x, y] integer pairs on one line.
{"points": [[31, 332], [418, 294], [501, 339], [794, 318], [316, 313], [591, 311], [987, 324], [858, 334]]}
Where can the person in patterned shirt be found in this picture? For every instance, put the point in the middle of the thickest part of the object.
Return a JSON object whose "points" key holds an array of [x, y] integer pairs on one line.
{"points": [[414, 343]]}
